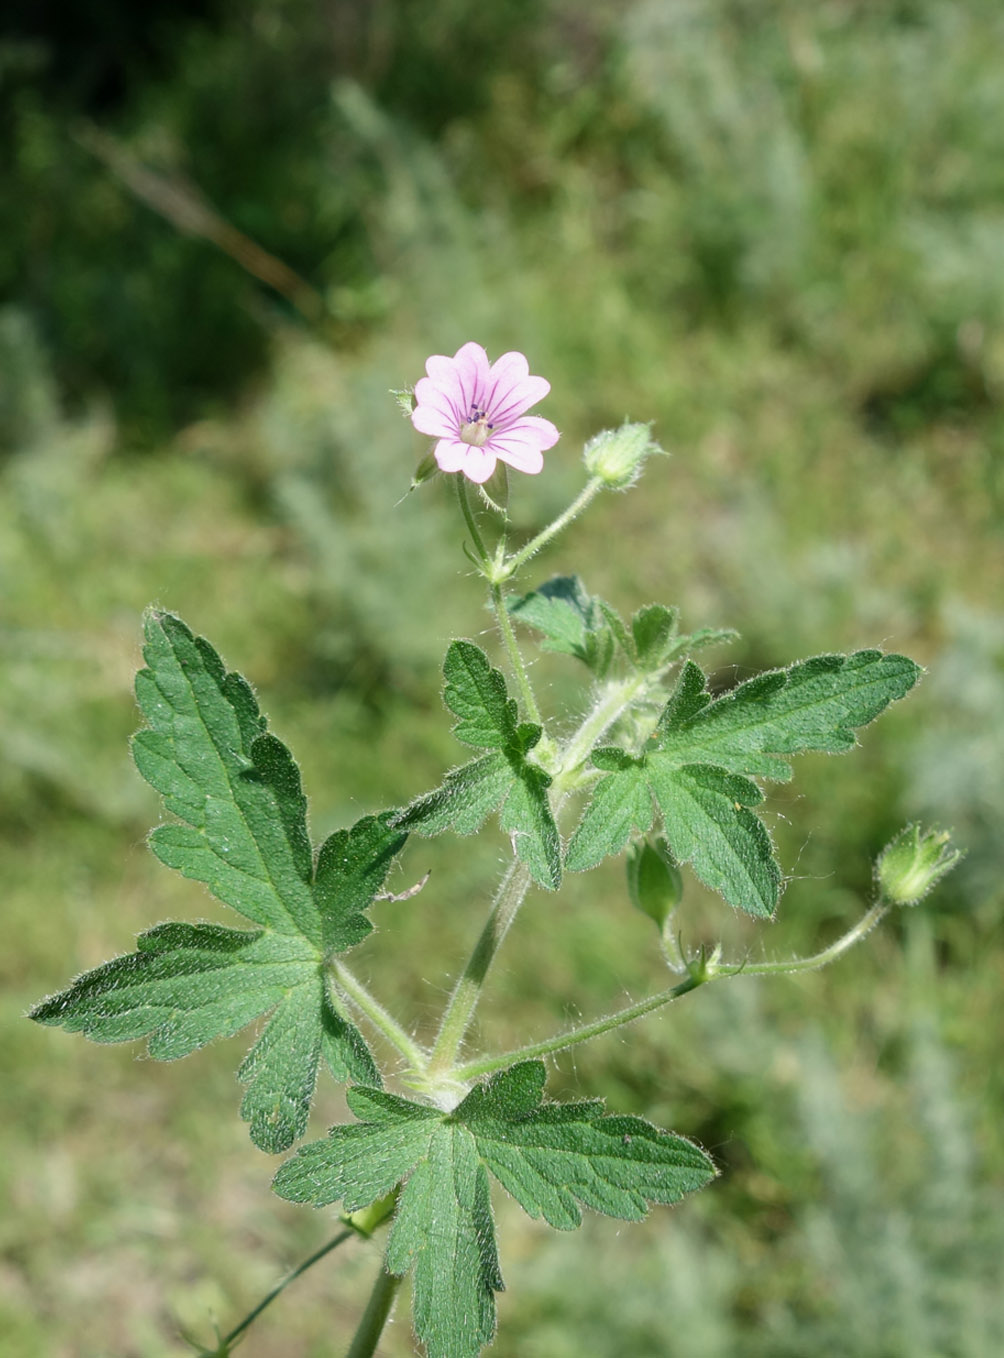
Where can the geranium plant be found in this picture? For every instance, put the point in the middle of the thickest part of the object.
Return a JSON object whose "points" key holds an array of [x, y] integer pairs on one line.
{"points": [[654, 765]]}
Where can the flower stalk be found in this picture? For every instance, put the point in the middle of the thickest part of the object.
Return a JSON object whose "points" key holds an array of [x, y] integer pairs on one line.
{"points": [[701, 971]]}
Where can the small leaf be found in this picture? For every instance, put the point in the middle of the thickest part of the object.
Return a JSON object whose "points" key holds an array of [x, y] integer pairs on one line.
{"points": [[707, 823], [571, 620], [560, 609], [554, 1159], [236, 790], [503, 780], [653, 630]]}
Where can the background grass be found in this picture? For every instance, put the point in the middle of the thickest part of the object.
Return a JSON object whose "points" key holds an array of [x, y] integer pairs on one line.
{"points": [[776, 231]]}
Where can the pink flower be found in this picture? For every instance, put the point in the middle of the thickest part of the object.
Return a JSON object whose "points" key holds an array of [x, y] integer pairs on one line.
{"points": [[477, 412]]}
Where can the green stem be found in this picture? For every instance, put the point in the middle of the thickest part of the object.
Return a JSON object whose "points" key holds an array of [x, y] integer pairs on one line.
{"points": [[375, 1316], [514, 886], [616, 698], [467, 991], [700, 975], [864, 926], [252, 1316], [376, 1013], [472, 523], [520, 558], [486, 1065], [515, 659]]}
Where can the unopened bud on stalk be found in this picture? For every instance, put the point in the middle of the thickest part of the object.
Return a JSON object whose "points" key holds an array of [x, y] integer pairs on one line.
{"points": [[912, 863], [654, 882], [616, 456]]}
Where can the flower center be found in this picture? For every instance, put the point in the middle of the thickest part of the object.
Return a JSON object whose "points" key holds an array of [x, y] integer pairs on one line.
{"points": [[476, 431]]}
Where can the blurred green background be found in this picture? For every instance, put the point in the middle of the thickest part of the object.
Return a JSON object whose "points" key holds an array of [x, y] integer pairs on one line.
{"points": [[774, 228]]}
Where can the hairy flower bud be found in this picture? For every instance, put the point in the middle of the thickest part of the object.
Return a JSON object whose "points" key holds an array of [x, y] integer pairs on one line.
{"points": [[616, 456], [654, 882], [912, 863]]}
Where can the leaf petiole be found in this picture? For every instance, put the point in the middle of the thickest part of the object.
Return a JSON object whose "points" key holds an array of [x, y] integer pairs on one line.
{"points": [[466, 993], [368, 1004]]}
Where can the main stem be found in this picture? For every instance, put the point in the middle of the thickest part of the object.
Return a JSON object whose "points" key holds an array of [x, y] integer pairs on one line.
{"points": [[375, 1316], [512, 651]]}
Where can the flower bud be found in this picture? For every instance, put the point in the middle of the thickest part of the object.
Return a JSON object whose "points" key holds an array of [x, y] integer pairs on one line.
{"points": [[912, 863], [616, 455], [426, 469], [654, 882]]}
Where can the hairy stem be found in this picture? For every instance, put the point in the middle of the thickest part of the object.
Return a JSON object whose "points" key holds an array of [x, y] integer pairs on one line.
{"points": [[524, 554], [701, 973], [375, 1317], [357, 993], [864, 926], [611, 703], [487, 1065], [515, 658]]}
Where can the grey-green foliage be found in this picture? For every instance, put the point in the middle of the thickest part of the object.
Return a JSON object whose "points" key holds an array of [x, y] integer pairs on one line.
{"points": [[241, 829], [504, 778], [553, 1158], [698, 766]]}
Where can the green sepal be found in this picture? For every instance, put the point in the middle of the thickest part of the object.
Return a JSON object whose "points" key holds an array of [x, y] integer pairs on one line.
{"points": [[554, 1159], [503, 780], [236, 790]]}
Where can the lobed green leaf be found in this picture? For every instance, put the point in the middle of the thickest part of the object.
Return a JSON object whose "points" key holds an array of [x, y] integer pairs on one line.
{"points": [[503, 780], [236, 790], [813, 706], [697, 767], [554, 1159]]}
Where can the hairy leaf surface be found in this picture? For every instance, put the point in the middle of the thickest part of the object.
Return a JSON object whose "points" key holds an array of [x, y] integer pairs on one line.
{"points": [[236, 791], [696, 771], [504, 780], [554, 1159]]}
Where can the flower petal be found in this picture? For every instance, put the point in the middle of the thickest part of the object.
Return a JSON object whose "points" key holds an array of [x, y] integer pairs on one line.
{"points": [[505, 373], [517, 399], [442, 371], [471, 365], [450, 454], [543, 432], [430, 393], [428, 419], [458, 378], [521, 457], [479, 463]]}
